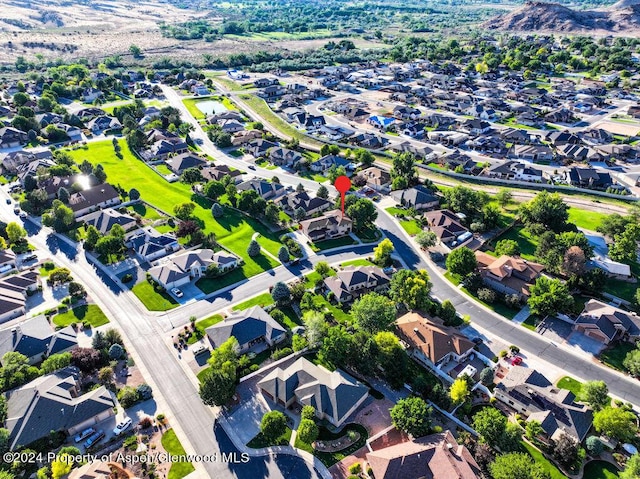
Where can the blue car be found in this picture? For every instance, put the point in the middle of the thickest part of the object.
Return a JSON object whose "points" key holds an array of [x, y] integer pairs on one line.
{"points": [[93, 439]]}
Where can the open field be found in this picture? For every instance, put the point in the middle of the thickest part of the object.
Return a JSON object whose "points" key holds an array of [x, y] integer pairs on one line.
{"points": [[233, 230]]}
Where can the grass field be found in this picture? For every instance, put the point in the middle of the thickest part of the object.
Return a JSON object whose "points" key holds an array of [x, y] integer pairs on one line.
{"points": [[192, 105], [233, 230], [151, 299], [202, 325], [600, 470], [571, 384], [554, 472], [614, 355], [589, 220], [259, 106], [172, 445], [90, 313]]}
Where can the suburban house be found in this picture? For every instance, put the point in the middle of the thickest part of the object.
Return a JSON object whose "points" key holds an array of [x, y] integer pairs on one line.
{"points": [[218, 172], [508, 274], [104, 220], [607, 323], [181, 162], [13, 294], [327, 161], [331, 224], [533, 152], [265, 189], [447, 227], [250, 327], [104, 123], [11, 137], [613, 269], [312, 205], [36, 339], [15, 160], [259, 147], [164, 148], [514, 170], [191, 265], [334, 395], [7, 261], [437, 456], [150, 245], [284, 157], [353, 281], [30, 408], [588, 178], [430, 342], [530, 393], [245, 136], [376, 178], [419, 197], [92, 199]]}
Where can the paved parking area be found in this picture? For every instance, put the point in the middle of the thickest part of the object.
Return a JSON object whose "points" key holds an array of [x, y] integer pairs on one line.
{"points": [[585, 343]]}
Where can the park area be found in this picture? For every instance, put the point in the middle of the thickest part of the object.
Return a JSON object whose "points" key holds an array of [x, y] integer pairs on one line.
{"points": [[233, 230]]}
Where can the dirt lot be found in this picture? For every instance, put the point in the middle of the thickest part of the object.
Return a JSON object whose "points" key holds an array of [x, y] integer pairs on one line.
{"points": [[57, 29]]}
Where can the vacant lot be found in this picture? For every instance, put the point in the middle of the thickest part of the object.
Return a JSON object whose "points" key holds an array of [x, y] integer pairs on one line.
{"points": [[233, 230]]}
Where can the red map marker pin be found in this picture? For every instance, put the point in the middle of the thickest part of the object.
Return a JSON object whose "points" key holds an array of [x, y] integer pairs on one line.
{"points": [[342, 184]]}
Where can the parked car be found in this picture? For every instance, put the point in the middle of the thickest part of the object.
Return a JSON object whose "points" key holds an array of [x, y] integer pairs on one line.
{"points": [[122, 425], [251, 167], [16, 210], [177, 293], [516, 360], [31, 257], [199, 349], [84, 434], [93, 439]]}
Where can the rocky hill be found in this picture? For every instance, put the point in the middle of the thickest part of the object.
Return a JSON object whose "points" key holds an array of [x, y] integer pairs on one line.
{"points": [[535, 16]]}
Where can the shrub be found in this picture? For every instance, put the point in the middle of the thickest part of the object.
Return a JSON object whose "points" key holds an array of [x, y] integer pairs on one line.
{"points": [[503, 353], [145, 422], [487, 295], [160, 418], [127, 278], [436, 429], [48, 265], [594, 445], [281, 353], [128, 396], [355, 468], [145, 392], [116, 351]]}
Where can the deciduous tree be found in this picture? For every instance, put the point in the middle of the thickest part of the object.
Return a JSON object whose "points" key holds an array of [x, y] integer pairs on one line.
{"points": [[412, 415]]}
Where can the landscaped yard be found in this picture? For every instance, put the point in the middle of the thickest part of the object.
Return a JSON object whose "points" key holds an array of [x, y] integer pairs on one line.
{"points": [[329, 459], [600, 470], [526, 242], [263, 299], [547, 465], [614, 355], [172, 445], [259, 441], [202, 325], [497, 306], [89, 313], [571, 384], [333, 243], [410, 226], [233, 230], [153, 300], [192, 105], [621, 289], [357, 262]]}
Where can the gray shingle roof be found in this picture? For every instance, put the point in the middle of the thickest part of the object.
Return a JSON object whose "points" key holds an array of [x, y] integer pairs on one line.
{"points": [[245, 326], [35, 336]]}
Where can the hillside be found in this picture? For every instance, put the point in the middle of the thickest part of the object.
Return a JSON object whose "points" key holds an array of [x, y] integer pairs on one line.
{"points": [[623, 17]]}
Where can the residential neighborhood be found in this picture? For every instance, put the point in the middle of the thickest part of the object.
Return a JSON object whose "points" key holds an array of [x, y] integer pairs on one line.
{"points": [[183, 272]]}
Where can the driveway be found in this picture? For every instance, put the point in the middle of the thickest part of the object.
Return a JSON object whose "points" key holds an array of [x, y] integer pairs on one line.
{"points": [[554, 329], [245, 420], [585, 343]]}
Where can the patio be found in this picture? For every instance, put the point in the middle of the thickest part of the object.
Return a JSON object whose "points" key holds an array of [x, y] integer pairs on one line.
{"points": [[454, 368]]}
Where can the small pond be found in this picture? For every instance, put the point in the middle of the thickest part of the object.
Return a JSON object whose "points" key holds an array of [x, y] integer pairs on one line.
{"points": [[211, 107]]}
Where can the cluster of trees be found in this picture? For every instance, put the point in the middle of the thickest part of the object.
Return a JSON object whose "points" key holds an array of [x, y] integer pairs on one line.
{"points": [[480, 214], [110, 245]]}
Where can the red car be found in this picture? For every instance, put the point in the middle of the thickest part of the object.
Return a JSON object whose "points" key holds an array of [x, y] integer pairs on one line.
{"points": [[516, 361]]}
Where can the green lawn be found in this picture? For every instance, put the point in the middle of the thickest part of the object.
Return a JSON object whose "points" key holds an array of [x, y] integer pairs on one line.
{"points": [[621, 289], [410, 226], [91, 314], [192, 105], [589, 220], [526, 242], [146, 212], [571, 384], [263, 299], [371, 234], [614, 355], [163, 170], [202, 325], [600, 470], [259, 441], [291, 319], [547, 465], [357, 262], [500, 308], [233, 230], [530, 322], [151, 299], [393, 211], [222, 78], [259, 106], [334, 243], [172, 445]]}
